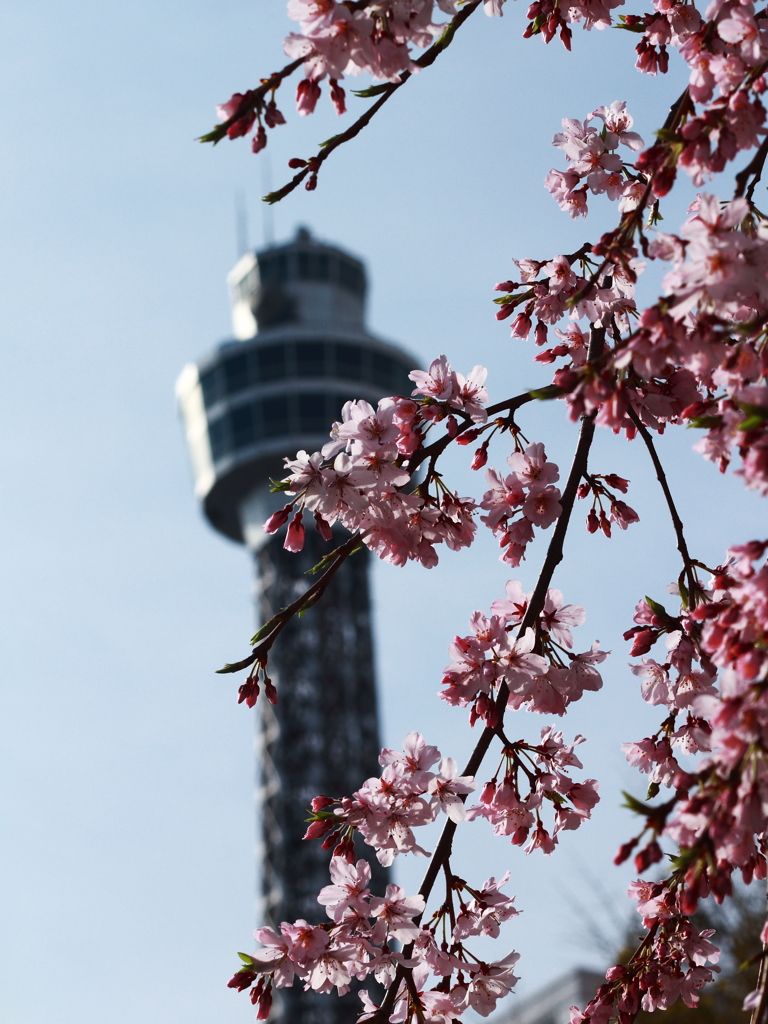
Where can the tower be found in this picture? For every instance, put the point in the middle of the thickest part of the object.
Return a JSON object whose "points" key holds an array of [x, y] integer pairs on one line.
{"points": [[301, 349]]}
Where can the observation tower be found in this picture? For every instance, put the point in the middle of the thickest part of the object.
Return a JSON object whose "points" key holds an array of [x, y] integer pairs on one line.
{"points": [[300, 350]]}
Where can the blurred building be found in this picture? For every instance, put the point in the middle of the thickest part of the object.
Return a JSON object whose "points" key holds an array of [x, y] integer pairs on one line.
{"points": [[301, 349], [552, 1004]]}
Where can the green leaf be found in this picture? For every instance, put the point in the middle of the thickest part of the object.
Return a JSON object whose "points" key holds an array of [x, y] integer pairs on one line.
{"points": [[633, 804], [237, 666], [372, 90], [328, 142], [545, 394], [323, 564], [653, 790], [706, 422], [632, 28], [656, 608], [278, 485], [312, 600], [752, 422], [265, 630], [214, 136], [246, 959]]}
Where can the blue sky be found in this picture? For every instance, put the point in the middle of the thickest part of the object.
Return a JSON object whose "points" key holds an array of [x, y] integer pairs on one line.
{"points": [[127, 766]]}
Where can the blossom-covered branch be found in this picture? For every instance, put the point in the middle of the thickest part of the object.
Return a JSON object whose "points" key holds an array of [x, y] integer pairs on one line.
{"points": [[697, 356]]}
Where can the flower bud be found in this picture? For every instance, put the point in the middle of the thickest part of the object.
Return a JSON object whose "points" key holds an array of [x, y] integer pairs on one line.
{"points": [[278, 519], [243, 979], [320, 802], [623, 854], [481, 456], [294, 538], [269, 689], [323, 527]]}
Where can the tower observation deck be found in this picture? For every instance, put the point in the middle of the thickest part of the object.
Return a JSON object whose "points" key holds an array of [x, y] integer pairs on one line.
{"points": [[301, 349]]}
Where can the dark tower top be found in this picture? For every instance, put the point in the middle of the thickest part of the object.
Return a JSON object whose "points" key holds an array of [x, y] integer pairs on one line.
{"points": [[302, 349]]}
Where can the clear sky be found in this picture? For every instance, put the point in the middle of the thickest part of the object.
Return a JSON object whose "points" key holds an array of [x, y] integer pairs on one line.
{"points": [[127, 800]]}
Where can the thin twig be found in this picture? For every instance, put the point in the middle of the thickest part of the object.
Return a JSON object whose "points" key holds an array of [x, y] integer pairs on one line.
{"points": [[677, 522], [312, 594], [753, 168], [760, 1012], [253, 98], [435, 449], [387, 90]]}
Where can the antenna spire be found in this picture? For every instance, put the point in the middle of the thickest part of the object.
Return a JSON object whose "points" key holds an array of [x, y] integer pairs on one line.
{"points": [[241, 223]]}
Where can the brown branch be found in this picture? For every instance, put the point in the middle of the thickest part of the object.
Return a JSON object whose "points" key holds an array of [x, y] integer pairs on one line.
{"points": [[677, 522], [387, 90], [753, 168], [306, 600], [760, 1012], [435, 449], [552, 559]]}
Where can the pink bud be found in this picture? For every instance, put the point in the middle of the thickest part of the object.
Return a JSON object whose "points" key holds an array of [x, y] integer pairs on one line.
{"points": [[320, 802], [323, 527], [592, 521], [269, 689], [248, 692], [521, 326], [488, 792], [330, 841], [241, 980], [481, 456], [272, 115], [504, 286], [337, 95], [259, 140], [265, 1004], [623, 853], [617, 481], [294, 538], [519, 836], [278, 519], [540, 334], [319, 828]]}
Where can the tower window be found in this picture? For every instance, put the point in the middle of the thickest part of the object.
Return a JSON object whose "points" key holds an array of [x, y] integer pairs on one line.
{"points": [[313, 417], [349, 361], [272, 362], [310, 359], [275, 412], [236, 373]]}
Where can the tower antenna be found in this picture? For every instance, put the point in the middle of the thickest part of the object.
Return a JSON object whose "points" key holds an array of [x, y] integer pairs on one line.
{"points": [[267, 214], [241, 223]]}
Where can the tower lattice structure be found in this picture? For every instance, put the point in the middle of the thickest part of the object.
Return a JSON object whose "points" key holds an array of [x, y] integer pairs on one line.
{"points": [[300, 350]]}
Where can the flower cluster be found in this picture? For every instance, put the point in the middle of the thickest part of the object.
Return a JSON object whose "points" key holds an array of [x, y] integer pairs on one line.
{"points": [[538, 669], [527, 492], [593, 163], [544, 769], [385, 810], [718, 815], [728, 53], [674, 962], [357, 477], [602, 488], [550, 290], [357, 941]]}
